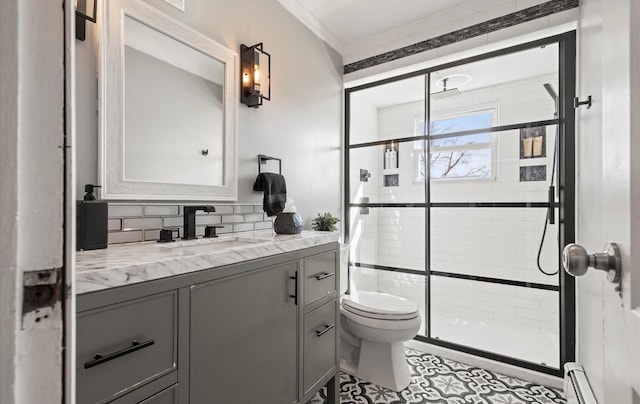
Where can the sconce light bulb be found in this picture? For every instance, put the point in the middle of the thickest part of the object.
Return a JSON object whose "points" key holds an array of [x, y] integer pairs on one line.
{"points": [[245, 78], [256, 74]]}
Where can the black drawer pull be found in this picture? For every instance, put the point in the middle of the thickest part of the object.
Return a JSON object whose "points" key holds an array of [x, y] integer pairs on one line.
{"points": [[135, 346], [325, 275], [320, 333], [295, 296]]}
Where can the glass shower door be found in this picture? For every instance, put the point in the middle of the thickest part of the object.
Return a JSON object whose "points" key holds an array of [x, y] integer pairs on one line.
{"points": [[453, 200], [386, 204]]}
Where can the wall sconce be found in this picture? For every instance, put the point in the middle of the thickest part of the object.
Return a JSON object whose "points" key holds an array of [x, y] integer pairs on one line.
{"points": [[256, 75], [82, 17]]}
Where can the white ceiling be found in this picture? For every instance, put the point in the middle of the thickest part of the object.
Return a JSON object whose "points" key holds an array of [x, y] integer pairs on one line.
{"points": [[351, 25], [344, 22], [353, 20]]}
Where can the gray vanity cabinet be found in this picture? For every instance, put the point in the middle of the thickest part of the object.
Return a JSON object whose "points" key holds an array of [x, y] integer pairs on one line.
{"points": [[261, 331], [243, 338]]}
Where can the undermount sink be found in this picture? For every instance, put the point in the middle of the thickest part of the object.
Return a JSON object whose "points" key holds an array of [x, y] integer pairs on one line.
{"points": [[212, 244]]}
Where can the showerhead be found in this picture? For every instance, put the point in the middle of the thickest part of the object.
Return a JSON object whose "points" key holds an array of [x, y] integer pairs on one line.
{"points": [[553, 95], [445, 93]]}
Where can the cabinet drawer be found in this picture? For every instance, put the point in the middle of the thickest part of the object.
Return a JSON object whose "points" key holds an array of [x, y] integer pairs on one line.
{"points": [[123, 346], [320, 276], [140, 396], [319, 344], [167, 396]]}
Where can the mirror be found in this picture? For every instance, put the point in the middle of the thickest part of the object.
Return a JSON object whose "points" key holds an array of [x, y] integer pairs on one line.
{"points": [[167, 109]]}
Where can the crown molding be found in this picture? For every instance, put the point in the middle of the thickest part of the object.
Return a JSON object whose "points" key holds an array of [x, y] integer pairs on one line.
{"points": [[302, 14]]}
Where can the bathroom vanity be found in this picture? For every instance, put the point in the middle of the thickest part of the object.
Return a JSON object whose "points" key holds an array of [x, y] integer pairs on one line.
{"points": [[231, 320]]}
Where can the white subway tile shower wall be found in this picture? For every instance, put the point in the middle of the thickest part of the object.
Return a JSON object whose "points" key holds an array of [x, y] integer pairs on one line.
{"points": [[490, 242], [131, 222]]}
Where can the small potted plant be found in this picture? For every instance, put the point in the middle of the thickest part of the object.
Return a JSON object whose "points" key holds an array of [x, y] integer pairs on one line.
{"points": [[325, 222]]}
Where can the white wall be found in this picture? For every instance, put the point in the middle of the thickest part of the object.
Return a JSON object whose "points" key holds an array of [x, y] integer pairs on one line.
{"points": [[609, 198], [31, 193], [301, 124]]}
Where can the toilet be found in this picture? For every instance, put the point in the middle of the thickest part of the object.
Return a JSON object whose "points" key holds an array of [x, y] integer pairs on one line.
{"points": [[374, 327]]}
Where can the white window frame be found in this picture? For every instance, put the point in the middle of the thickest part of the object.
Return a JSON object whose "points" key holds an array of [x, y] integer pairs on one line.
{"points": [[419, 150]]}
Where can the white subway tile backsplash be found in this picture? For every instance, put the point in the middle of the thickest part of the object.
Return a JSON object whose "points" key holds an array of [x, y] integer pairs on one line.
{"points": [[243, 227], [151, 235], [172, 221], [209, 219], [161, 210], [243, 209], [132, 222], [116, 210], [255, 217], [224, 209], [146, 223], [233, 219], [114, 224], [125, 237], [228, 228]]}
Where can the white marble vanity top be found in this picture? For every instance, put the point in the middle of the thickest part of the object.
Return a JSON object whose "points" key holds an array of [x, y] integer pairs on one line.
{"points": [[125, 264]]}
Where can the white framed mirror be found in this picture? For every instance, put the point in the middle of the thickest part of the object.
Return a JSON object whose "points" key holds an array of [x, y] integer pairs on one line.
{"points": [[167, 106]]}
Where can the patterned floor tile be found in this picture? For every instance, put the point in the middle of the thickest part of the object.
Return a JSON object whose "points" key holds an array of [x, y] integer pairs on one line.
{"points": [[443, 381]]}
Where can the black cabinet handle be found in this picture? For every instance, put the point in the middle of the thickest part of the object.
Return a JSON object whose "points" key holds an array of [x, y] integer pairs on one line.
{"points": [[325, 275], [320, 333], [135, 346], [295, 295]]}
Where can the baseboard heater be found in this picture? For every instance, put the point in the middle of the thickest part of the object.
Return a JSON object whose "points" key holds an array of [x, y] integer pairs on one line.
{"points": [[576, 385]]}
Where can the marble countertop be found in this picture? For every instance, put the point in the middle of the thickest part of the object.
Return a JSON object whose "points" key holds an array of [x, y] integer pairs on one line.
{"points": [[126, 264]]}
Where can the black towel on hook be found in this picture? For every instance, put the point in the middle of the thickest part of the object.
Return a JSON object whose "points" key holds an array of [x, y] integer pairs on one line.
{"points": [[275, 192]]}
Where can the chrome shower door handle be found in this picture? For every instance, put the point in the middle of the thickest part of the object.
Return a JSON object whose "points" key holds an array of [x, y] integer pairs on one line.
{"points": [[576, 261]]}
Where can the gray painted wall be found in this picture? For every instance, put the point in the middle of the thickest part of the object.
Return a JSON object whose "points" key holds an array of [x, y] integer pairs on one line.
{"points": [[302, 124]]}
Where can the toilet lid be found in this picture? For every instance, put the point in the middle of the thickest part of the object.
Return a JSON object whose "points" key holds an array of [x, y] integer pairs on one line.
{"points": [[380, 305]]}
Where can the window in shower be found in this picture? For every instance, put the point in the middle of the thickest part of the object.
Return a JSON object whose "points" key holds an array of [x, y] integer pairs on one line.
{"points": [[461, 235], [468, 157]]}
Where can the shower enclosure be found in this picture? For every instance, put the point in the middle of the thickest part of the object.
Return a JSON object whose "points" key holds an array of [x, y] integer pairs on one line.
{"points": [[460, 196]]}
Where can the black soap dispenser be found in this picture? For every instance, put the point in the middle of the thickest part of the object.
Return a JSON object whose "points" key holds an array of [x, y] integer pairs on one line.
{"points": [[91, 221]]}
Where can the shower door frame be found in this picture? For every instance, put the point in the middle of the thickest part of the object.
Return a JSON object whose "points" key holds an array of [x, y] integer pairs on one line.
{"points": [[565, 203]]}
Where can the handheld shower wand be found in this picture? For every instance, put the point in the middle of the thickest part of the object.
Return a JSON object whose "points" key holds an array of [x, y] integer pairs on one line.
{"points": [[550, 219]]}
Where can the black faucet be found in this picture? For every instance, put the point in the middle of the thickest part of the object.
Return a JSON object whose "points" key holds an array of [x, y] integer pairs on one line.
{"points": [[189, 213]]}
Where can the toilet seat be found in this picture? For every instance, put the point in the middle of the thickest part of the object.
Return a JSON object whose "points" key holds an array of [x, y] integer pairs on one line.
{"points": [[380, 306]]}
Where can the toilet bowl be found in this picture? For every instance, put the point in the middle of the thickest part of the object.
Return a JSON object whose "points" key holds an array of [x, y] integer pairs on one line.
{"points": [[374, 328]]}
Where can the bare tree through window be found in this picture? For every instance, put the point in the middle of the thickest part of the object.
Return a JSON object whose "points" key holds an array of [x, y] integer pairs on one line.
{"points": [[458, 156]]}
